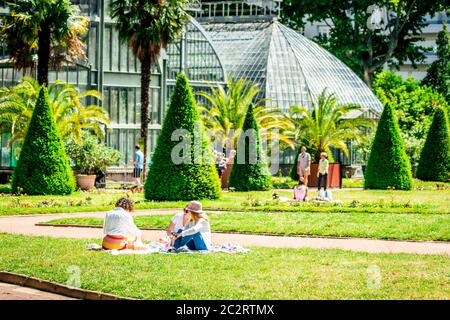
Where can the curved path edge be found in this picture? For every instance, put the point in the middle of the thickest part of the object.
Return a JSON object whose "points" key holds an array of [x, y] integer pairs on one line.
{"points": [[55, 288]]}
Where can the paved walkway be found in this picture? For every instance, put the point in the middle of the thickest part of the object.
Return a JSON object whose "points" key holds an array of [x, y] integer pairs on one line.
{"points": [[14, 292], [27, 225]]}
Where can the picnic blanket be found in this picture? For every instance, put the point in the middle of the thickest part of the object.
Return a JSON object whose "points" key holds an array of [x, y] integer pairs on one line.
{"points": [[158, 247]]}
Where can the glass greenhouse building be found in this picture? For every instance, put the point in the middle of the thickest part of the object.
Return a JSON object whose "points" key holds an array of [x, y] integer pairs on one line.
{"points": [[242, 38]]}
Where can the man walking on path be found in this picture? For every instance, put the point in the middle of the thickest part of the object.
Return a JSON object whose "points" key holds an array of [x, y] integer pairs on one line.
{"points": [[138, 163], [303, 165]]}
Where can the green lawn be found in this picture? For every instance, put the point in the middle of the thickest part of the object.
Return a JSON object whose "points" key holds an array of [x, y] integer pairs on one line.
{"points": [[262, 274], [376, 201], [364, 225], [5, 188]]}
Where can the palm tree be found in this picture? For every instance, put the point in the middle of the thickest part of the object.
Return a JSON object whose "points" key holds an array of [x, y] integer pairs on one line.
{"points": [[148, 26], [49, 28], [224, 111], [71, 115], [328, 125]]}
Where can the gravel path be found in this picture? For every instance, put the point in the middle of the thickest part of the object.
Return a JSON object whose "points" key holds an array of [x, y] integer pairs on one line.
{"points": [[27, 225]]}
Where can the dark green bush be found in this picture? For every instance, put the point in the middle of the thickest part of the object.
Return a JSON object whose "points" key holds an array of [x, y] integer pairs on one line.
{"points": [[434, 164], [388, 165], [245, 175], [43, 167], [196, 179]]}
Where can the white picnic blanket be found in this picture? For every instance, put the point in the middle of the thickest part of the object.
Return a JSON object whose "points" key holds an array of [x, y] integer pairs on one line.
{"points": [[158, 247]]}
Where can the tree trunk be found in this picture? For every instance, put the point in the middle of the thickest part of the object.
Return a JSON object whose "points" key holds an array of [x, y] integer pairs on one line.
{"points": [[367, 76], [43, 55], [145, 101]]}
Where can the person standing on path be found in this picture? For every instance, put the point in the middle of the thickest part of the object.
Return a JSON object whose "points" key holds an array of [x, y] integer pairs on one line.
{"points": [[138, 163], [303, 165], [323, 171]]}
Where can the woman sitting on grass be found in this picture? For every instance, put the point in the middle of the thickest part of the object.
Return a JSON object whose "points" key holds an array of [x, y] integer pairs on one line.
{"points": [[119, 228], [197, 233], [177, 224], [300, 190]]}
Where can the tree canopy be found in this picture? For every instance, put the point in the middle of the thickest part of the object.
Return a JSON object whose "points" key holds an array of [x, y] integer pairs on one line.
{"points": [[438, 74], [414, 106], [52, 29], [224, 112], [69, 107], [363, 37], [326, 126]]}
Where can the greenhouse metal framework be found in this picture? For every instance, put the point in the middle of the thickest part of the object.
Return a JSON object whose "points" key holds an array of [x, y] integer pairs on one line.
{"points": [[242, 38]]}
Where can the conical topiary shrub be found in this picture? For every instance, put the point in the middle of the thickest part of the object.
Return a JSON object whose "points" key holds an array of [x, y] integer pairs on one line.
{"points": [[182, 171], [434, 163], [388, 165], [43, 167], [249, 170]]}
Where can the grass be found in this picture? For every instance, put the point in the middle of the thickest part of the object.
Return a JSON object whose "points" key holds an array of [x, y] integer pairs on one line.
{"points": [[352, 183], [5, 188], [380, 226], [359, 183], [283, 182], [262, 274], [369, 201]]}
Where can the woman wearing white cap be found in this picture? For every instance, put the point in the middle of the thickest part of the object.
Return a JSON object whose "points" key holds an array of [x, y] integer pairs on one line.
{"points": [[197, 233]]}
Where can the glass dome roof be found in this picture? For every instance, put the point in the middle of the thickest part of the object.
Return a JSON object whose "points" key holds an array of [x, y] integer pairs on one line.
{"points": [[290, 68], [197, 54]]}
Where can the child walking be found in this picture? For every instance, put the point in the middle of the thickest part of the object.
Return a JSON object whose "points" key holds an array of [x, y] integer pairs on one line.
{"points": [[323, 171]]}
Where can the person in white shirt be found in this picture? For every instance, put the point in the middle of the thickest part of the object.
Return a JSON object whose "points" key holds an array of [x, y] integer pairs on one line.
{"points": [[178, 223], [197, 234], [119, 228]]}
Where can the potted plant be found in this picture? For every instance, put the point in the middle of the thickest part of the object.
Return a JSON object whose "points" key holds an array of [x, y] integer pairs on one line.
{"points": [[88, 158]]}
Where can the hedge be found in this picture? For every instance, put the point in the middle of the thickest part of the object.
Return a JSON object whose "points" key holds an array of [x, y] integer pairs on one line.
{"points": [[388, 165], [250, 173], [43, 167], [196, 176], [434, 163]]}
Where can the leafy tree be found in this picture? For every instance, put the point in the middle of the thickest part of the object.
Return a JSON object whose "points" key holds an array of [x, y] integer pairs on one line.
{"points": [[434, 162], [71, 114], [326, 125], [183, 169], [225, 109], [438, 76], [148, 27], [388, 165], [363, 46], [43, 167], [49, 28], [414, 106], [250, 173]]}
